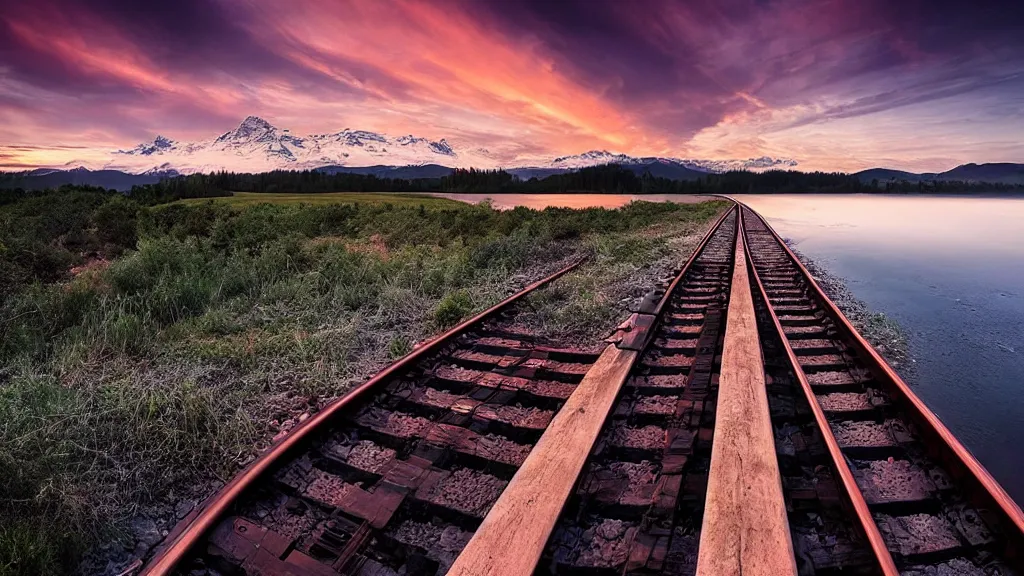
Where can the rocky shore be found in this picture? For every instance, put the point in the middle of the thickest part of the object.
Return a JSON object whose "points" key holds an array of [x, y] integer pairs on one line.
{"points": [[884, 333]]}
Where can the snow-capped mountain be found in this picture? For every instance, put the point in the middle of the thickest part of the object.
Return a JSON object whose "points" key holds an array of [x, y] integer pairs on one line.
{"points": [[159, 144], [762, 163], [597, 157], [592, 158], [256, 145]]}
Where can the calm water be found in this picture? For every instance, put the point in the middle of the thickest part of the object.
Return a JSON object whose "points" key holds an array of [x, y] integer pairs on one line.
{"points": [[949, 270]]}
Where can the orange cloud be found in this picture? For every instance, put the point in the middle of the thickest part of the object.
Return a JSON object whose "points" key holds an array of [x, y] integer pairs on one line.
{"points": [[445, 58], [120, 62], [529, 78]]}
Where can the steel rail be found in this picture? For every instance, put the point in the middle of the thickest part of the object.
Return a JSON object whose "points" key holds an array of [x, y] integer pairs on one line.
{"points": [[199, 523], [745, 526], [488, 551], [696, 252], [853, 493], [980, 486]]}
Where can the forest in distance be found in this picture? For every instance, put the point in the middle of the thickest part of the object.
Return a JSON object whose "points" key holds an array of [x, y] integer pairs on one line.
{"points": [[609, 179]]}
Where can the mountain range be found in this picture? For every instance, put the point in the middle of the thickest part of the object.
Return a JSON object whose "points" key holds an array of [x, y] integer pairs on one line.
{"points": [[256, 145], [994, 173], [43, 178]]}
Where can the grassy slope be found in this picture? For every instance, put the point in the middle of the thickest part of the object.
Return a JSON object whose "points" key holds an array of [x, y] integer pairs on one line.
{"points": [[399, 199], [136, 385], [585, 305]]}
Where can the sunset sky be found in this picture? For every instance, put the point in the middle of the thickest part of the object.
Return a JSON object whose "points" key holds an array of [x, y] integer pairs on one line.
{"points": [[836, 85]]}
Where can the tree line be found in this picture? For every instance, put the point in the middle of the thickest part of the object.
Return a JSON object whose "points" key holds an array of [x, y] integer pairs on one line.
{"points": [[608, 178]]}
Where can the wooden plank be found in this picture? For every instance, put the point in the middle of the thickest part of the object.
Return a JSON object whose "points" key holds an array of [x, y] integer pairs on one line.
{"points": [[512, 536], [745, 529]]}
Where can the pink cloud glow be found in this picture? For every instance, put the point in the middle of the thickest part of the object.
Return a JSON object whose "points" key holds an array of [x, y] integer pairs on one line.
{"points": [[841, 84]]}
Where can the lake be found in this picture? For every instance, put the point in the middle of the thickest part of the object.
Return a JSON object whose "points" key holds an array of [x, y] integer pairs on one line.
{"points": [[950, 270]]}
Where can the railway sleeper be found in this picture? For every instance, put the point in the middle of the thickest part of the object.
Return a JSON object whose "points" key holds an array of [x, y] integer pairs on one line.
{"points": [[637, 505], [915, 504], [825, 540]]}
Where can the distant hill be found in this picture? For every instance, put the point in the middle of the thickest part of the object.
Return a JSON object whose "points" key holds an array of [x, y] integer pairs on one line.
{"points": [[1002, 173], [47, 178], [885, 174], [658, 167], [670, 170], [402, 172], [993, 173], [996, 173]]}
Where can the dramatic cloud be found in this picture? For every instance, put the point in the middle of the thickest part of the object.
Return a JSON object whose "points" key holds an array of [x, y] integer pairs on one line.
{"points": [[837, 84]]}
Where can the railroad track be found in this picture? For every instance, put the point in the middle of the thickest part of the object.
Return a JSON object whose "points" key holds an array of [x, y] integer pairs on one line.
{"points": [[736, 423], [824, 534], [921, 502], [395, 476], [640, 500]]}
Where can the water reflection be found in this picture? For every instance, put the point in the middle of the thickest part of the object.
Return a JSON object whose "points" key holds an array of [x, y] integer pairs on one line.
{"points": [[960, 225]]}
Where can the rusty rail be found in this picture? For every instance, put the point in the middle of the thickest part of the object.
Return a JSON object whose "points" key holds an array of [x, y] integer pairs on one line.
{"points": [[505, 544], [696, 252], [200, 522], [991, 489], [856, 499], [646, 477], [970, 476], [637, 338]]}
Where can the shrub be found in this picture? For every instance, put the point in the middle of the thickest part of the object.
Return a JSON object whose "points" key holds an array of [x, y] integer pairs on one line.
{"points": [[452, 308], [398, 347], [116, 222], [504, 252]]}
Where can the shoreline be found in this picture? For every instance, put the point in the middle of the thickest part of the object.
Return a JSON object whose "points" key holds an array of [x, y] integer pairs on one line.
{"points": [[886, 335]]}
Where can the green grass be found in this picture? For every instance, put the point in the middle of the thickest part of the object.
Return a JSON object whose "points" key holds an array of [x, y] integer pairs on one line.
{"points": [[132, 385], [586, 304], [239, 199]]}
